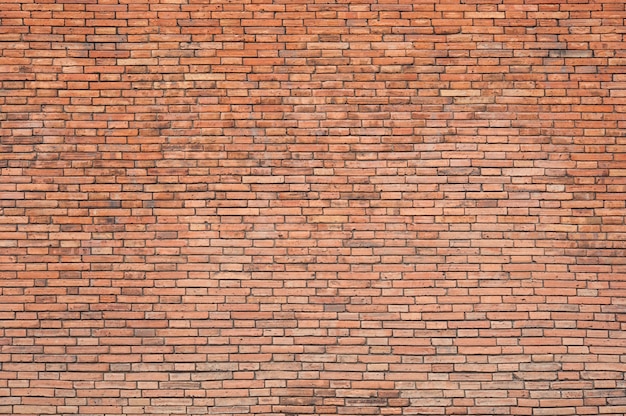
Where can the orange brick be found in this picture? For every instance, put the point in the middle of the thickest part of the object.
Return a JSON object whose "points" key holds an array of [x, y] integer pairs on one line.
{"points": [[312, 208]]}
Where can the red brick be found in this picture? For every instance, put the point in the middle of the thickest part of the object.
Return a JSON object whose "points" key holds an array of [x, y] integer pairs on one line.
{"points": [[356, 208]]}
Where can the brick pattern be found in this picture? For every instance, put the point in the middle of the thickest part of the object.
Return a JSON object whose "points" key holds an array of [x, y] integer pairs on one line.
{"points": [[292, 207]]}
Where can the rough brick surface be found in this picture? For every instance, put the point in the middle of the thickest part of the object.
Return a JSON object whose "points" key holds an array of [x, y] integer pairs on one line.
{"points": [[293, 207]]}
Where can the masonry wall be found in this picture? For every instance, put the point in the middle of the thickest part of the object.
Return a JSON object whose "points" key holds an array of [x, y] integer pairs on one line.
{"points": [[372, 207]]}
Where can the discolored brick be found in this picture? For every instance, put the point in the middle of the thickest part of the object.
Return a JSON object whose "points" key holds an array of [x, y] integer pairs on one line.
{"points": [[373, 207]]}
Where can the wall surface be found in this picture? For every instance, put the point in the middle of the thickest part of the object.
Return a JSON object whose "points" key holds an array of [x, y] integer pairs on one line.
{"points": [[299, 207]]}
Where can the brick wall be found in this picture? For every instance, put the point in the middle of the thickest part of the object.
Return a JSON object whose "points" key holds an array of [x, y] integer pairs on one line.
{"points": [[294, 207]]}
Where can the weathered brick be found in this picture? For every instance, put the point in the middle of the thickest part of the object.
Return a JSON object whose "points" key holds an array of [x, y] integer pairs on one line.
{"points": [[312, 208]]}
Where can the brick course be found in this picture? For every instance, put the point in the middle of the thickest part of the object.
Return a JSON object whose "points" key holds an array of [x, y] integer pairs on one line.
{"points": [[374, 207]]}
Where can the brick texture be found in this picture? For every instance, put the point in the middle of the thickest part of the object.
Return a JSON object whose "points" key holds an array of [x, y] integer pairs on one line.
{"points": [[313, 207]]}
